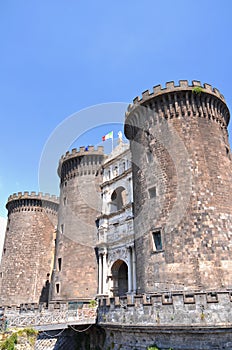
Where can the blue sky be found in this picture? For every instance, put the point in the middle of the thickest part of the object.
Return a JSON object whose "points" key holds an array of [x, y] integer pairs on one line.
{"points": [[59, 57]]}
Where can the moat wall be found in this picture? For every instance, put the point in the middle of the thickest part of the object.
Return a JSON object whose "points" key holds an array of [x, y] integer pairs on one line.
{"points": [[121, 337]]}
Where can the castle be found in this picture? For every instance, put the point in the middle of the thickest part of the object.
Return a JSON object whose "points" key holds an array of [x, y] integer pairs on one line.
{"points": [[146, 229]]}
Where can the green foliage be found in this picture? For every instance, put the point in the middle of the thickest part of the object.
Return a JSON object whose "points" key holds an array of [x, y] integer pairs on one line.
{"points": [[12, 339], [93, 303], [29, 332], [9, 343], [202, 316], [197, 90]]}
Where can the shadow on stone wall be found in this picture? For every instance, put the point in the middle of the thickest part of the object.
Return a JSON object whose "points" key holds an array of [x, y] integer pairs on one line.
{"points": [[44, 295]]}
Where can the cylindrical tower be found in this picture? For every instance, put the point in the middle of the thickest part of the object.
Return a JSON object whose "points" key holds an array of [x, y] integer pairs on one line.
{"points": [[75, 269], [28, 251], [182, 188]]}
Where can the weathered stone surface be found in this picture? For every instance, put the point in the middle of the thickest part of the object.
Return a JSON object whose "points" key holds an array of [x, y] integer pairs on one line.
{"points": [[75, 274], [185, 133], [27, 259]]}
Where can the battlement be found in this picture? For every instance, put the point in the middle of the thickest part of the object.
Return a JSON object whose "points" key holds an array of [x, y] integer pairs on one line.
{"points": [[175, 101], [82, 151], [33, 195], [171, 87], [168, 308], [32, 201], [88, 159]]}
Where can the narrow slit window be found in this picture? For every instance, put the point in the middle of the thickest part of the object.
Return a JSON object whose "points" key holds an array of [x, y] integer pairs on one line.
{"points": [[62, 228], [57, 288], [59, 264], [157, 240]]}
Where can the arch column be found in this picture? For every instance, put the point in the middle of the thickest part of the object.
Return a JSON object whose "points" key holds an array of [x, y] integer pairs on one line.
{"points": [[104, 273], [100, 274], [129, 270], [134, 269]]}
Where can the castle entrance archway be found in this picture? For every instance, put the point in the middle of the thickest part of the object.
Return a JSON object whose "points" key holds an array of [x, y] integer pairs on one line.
{"points": [[120, 278]]}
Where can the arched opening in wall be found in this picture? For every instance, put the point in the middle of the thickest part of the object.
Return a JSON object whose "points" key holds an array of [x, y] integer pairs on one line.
{"points": [[119, 272], [118, 199]]}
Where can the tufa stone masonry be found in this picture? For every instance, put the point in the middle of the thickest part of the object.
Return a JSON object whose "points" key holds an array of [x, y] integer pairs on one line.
{"points": [[146, 230]]}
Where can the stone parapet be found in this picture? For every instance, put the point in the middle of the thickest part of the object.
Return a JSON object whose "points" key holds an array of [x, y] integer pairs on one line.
{"points": [[32, 201], [175, 101], [82, 162], [33, 195], [168, 309]]}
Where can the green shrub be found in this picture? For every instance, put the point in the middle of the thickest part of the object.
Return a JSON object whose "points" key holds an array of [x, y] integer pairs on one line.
{"points": [[197, 90], [9, 343], [93, 303]]}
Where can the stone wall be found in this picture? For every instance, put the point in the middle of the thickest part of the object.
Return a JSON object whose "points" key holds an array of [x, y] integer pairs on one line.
{"points": [[182, 183], [141, 338], [179, 321], [168, 309], [28, 250]]}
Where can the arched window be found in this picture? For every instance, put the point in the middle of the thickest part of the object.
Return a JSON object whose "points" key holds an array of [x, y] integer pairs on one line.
{"points": [[118, 199]]}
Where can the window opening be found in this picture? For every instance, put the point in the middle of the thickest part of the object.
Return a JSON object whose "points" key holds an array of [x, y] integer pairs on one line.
{"points": [[59, 264], [57, 288], [152, 192], [157, 240], [62, 228]]}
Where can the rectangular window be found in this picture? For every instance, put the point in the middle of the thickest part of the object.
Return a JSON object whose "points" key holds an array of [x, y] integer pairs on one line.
{"points": [[157, 240], [152, 192], [65, 200], [57, 288], [59, 264]]}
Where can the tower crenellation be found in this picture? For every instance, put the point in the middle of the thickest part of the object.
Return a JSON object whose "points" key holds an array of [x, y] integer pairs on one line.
{"points": [[85, 161], [170, 86], [33, 195], [174, 101]]}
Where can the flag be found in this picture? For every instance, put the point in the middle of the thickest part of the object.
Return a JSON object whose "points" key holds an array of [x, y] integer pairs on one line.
{"points": [[108, 136]]}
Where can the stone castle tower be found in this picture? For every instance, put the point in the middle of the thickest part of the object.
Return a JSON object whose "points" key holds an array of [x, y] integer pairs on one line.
{"points": [[182, 188], [28, 250], [75, 269]]}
